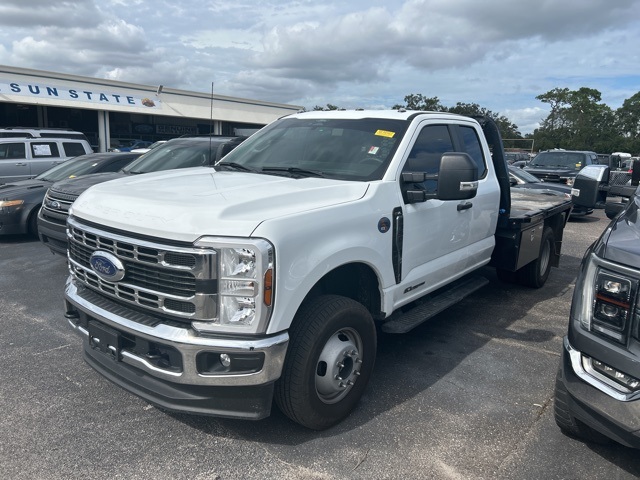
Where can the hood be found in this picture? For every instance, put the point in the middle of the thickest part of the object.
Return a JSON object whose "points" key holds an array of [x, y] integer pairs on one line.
{"points": [[75, 186], [188, 203], [23, 189], [622, 244]]}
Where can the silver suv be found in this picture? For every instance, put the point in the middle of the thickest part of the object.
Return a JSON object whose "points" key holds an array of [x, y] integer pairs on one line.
{"points": [[27, 152]]}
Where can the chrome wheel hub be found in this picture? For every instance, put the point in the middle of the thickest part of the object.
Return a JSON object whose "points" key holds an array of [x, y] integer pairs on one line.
{"points": [[339, 365]]}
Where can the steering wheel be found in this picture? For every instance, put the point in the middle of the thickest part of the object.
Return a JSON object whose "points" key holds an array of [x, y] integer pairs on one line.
{"points": [[369, 161]]}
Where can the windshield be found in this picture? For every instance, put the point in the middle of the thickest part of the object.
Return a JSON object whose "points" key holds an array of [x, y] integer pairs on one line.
{"points": [[68, 169], [571, 160], [523, 175], [349, 149], [173, 155]]}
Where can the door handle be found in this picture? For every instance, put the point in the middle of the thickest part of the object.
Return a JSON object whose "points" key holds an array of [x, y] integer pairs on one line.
{"points": [[21, 164], [464, 206]]}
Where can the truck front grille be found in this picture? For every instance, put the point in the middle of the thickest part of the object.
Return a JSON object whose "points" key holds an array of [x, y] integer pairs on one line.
{"points": [[170, 280], [55, 207]]}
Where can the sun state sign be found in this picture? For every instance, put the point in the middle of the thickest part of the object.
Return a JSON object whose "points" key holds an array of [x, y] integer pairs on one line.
{"points": [[80, 93]]}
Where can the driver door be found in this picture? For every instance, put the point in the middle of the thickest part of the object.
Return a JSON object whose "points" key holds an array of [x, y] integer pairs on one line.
{"points": [[443, 240]]}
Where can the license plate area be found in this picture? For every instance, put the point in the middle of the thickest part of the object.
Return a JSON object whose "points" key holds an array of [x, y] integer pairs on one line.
{"points": [[105, 339]]}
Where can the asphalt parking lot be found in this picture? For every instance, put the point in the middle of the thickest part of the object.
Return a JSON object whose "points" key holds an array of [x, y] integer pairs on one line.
{"points": [[466, 395]]}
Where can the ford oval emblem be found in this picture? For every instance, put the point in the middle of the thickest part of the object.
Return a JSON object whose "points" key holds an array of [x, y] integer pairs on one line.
{"points": [[107, 266]]}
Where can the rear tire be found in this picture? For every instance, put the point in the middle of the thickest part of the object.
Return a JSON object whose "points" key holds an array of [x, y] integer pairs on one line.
{"points": [[535, 274], [332, 349], [569, 424]]}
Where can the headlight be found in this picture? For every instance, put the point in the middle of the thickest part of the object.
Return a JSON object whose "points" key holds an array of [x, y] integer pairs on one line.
{"points": [[11, 203], [245, 275], [604, 299]]}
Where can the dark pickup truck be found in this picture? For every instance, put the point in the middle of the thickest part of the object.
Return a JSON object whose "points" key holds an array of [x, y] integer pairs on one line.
{"points": [[598, 384], [560, 165]]}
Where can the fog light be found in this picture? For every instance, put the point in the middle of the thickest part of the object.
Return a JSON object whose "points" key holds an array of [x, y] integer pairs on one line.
{"points": [[225, 360], [620, 377], [219, 363]]}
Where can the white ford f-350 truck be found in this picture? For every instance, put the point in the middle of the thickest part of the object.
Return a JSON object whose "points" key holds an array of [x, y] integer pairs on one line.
{"points": [[216, 290]]}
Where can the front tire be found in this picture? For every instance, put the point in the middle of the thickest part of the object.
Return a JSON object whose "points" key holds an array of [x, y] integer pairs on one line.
{"points": [[32, 223], [332, 349], [569, 424]]}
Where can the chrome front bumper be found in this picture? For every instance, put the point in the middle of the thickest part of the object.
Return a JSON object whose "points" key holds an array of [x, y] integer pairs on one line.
{"points": [[81, 301]]}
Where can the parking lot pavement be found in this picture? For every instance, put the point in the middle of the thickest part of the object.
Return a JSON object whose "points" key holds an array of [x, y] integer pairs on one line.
{"points": [[466, 395]]}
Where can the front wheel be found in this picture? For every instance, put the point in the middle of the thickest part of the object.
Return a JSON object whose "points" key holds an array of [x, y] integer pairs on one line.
{"points": [[332, 349], [32, 223], [569, 424]]}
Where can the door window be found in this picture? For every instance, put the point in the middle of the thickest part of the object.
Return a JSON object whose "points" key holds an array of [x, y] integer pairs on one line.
{"points": [[432, 142], [73, 149], [44, 149], [473, 148], [12, 150]]}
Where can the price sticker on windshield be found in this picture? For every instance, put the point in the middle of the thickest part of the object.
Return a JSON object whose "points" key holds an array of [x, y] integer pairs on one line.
{"points": [[385, 133]]}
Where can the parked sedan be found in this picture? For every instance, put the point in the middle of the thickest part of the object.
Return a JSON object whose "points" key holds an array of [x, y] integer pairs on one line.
{"points": [[21, 200], [520, 178]]}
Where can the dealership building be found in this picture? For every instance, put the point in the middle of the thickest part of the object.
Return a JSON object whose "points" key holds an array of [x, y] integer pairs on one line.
{"points": [[110, 112]]}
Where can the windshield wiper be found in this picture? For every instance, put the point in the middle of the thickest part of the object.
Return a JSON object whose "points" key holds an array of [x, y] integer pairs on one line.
{"points": [[295, 171], [234, 166]]}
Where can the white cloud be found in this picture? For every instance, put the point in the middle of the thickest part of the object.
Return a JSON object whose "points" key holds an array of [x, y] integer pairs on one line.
{"points": [[497, 53]]}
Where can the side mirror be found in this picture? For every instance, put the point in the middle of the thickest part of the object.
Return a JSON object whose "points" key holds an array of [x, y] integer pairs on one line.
{"points": [[587, 189], [457, 179]]}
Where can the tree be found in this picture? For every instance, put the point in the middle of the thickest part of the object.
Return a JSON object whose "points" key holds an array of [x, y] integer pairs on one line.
{"points": [[629, 123], [327, 108], [507, 128], [577, 121], [417, 101]]}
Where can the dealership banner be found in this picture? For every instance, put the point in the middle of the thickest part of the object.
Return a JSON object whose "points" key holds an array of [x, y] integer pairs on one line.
{"points": [[81, 93]]}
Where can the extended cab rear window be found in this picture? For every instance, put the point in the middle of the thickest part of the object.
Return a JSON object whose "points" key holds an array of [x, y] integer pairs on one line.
{"points": [[473, 148]]}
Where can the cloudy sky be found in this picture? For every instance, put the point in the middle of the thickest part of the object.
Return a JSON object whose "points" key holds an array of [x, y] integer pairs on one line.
{"points": [[500, 54]]}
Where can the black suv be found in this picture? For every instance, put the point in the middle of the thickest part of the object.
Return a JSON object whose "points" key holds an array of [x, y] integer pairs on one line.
{"points": [[560, 165], [183, 152], [597, 393]]}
